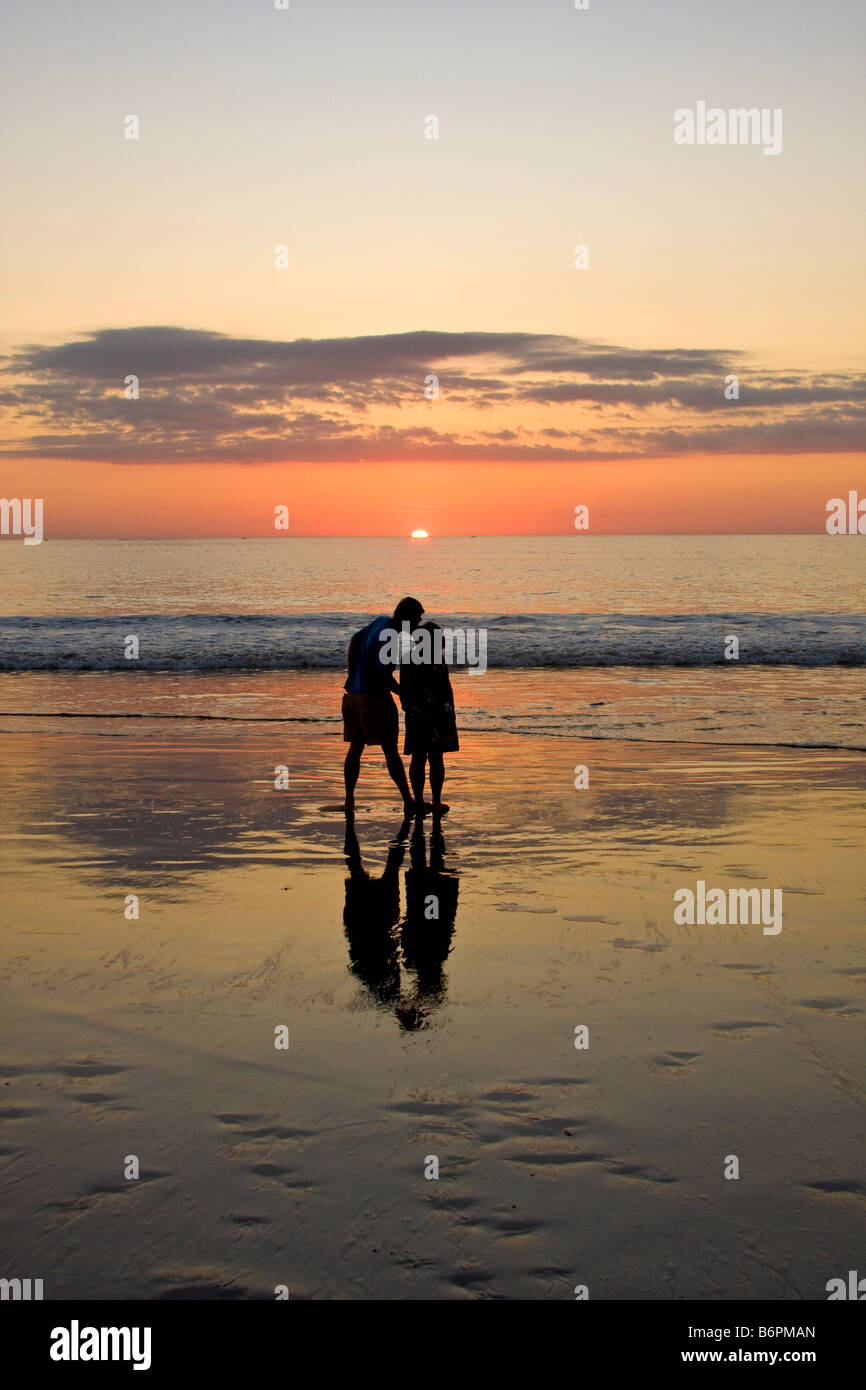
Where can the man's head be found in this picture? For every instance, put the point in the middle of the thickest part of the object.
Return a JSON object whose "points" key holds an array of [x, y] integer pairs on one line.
{"points": [[408, 610]]}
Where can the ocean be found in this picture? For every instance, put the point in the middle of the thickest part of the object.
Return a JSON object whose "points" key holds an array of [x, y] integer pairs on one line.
{"points": [[609, 636]]}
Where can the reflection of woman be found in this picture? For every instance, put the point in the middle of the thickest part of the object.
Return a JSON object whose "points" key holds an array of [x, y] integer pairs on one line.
{"points": [[431, 724], [428, 927]]}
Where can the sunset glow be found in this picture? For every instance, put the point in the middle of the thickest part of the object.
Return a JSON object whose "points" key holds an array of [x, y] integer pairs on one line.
{"points": [[169, 371]]}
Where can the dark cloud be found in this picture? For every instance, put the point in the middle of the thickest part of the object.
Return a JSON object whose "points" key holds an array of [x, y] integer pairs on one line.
{"points": [[207, 396]]}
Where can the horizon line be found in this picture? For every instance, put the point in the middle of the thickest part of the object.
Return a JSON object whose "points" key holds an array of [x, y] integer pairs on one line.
{"points": [[443, 536]]}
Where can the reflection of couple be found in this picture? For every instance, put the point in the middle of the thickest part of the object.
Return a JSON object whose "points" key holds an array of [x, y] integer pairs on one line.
{"points": [[370, 715], [388, 958]]}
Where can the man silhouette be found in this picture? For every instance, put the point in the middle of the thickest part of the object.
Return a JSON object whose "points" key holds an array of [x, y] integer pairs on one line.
{"points": [[369, 712]]}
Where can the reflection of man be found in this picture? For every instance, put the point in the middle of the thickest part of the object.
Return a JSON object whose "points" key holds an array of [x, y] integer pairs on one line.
{"points": [[369, 712], [371, 914]]}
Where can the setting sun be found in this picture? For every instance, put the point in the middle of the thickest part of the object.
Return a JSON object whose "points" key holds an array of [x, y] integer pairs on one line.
{"points": [[420, 536]]}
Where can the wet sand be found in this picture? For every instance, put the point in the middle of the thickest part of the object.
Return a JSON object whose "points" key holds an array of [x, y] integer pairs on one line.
{"points": [[816, 706], [413, 1038]]}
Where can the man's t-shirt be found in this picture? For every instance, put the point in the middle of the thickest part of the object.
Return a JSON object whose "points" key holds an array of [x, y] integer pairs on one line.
{"points": [[368, 674]]}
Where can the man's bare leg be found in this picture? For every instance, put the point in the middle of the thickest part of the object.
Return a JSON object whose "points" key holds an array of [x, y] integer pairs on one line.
{"points": [[351, 768], [398, 773]]}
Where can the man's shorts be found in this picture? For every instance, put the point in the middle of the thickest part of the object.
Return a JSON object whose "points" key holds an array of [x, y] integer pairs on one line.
{"points": [[369, 719]]}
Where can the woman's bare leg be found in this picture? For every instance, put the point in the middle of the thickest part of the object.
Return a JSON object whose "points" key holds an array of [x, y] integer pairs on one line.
{"points": [[417, 772], [437, 779]]}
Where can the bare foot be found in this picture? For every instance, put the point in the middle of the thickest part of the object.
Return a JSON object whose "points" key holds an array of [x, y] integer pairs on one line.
{"points": [[441, 808]]}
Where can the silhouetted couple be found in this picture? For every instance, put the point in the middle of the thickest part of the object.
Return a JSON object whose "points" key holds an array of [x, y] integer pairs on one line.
{"points": [[384, 647], [401, 962]]}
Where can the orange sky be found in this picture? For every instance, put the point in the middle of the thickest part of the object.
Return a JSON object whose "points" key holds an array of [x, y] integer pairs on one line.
{"points": [[662, 496], [308, 129]]}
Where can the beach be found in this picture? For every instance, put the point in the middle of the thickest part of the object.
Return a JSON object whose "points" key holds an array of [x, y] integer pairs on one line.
{"points": [[432, 674], [558, 1166]]}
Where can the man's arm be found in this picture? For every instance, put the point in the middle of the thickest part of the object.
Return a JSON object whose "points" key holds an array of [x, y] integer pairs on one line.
{"points": [[386, 669]]}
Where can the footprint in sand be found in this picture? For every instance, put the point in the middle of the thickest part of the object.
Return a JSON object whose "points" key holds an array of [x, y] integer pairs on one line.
{"points": [[752, 969], [622, 944], [87, 1068], [521, 907], [737, 1030], [672, 1063], [203, 1285], [845, 1187], [250, 1127], [838, 1007], [102, 1195]]}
